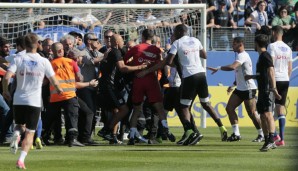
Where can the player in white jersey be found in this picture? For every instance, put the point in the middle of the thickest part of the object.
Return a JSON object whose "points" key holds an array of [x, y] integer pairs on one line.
{"points": [[282, 60], [244, 92], [30, 69], [194, 82]]}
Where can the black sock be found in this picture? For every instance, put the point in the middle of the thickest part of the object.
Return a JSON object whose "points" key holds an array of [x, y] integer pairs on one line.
{"points": [[193, 125], [266, 138], [271, 136], [187, 125], [218, 122]]}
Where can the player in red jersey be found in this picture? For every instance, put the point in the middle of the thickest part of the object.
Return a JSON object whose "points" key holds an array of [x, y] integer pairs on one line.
{"points": [[146, 86]]}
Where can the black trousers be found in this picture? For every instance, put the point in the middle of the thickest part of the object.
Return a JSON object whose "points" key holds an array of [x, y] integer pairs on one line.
{"points": [[85, 121], [71, 108]]}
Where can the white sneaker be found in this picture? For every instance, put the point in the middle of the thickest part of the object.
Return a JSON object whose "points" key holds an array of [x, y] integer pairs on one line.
{"points": [[14, 145]]}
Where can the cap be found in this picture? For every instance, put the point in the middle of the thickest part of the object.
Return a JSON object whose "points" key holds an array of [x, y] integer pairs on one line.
{"points": [[148, 10]]}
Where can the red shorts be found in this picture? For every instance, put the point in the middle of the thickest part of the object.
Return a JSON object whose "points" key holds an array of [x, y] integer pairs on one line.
{"points": [[148, 87]]}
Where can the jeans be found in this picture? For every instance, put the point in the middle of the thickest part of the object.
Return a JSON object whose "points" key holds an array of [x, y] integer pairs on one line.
{"points": [[224, 42], [5, 119]]}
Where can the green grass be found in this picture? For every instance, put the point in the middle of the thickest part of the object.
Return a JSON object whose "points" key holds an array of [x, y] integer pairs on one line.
{"points": [[210, 154]]}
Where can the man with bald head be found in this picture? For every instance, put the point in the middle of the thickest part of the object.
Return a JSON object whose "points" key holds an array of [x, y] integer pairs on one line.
{"points": [[112, 85], [65, 69], [130, 44]]}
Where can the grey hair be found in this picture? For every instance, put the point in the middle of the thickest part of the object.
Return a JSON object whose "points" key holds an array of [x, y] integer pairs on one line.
{"points": [[87, 37], [69, 37]]}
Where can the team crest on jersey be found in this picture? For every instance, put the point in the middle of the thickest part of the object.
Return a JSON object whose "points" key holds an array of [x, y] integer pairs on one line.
{"points": [[141, 60], [283, 49], [31, 64], [189, 43]]}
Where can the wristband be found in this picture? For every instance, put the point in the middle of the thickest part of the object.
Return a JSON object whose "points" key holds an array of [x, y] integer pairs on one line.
{"points": [[219, 67]]}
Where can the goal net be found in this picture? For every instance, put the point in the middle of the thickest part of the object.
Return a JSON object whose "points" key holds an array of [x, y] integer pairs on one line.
{"points": [[55, 20]]}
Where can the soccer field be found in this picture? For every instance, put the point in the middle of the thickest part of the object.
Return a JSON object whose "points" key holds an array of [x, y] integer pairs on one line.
{"points": [[209, 154]]}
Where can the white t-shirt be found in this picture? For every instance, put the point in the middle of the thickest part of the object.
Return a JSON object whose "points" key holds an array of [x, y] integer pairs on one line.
{"points": [[30, 69], [151, 20], [281, 54], [259, 17], [244, 69], [188, 49], [89, 19]]}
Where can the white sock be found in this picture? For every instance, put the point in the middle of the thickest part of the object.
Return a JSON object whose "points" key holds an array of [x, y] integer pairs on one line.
{"points": [[260, 132], [164, 123], [236, 129], [132, 132], [23, 156]]}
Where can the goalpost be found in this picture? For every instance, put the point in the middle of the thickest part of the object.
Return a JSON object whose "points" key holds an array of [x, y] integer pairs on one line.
{"points": [[55, 20]]}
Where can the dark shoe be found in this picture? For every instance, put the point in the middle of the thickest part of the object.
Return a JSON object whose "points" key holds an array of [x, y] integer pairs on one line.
{"points": [[267, 146], [75, 142], [234, 137], [59, 141], [185, 136], [46, 141], [195, 138], [102, 132], [259, 138], [224, 136], [105, 134], [169, 135], [182, 140], [115, 141], [131, 141]]}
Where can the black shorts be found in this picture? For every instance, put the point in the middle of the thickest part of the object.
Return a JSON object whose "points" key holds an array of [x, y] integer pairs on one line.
{"points": [[171, 98], [245, 95], [282, 88], [194, 85], [265, 102], [111, 98], [28, 115]]}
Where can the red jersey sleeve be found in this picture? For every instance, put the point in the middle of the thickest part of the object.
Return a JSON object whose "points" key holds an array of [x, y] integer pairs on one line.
{"points": [[75, 67]]}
